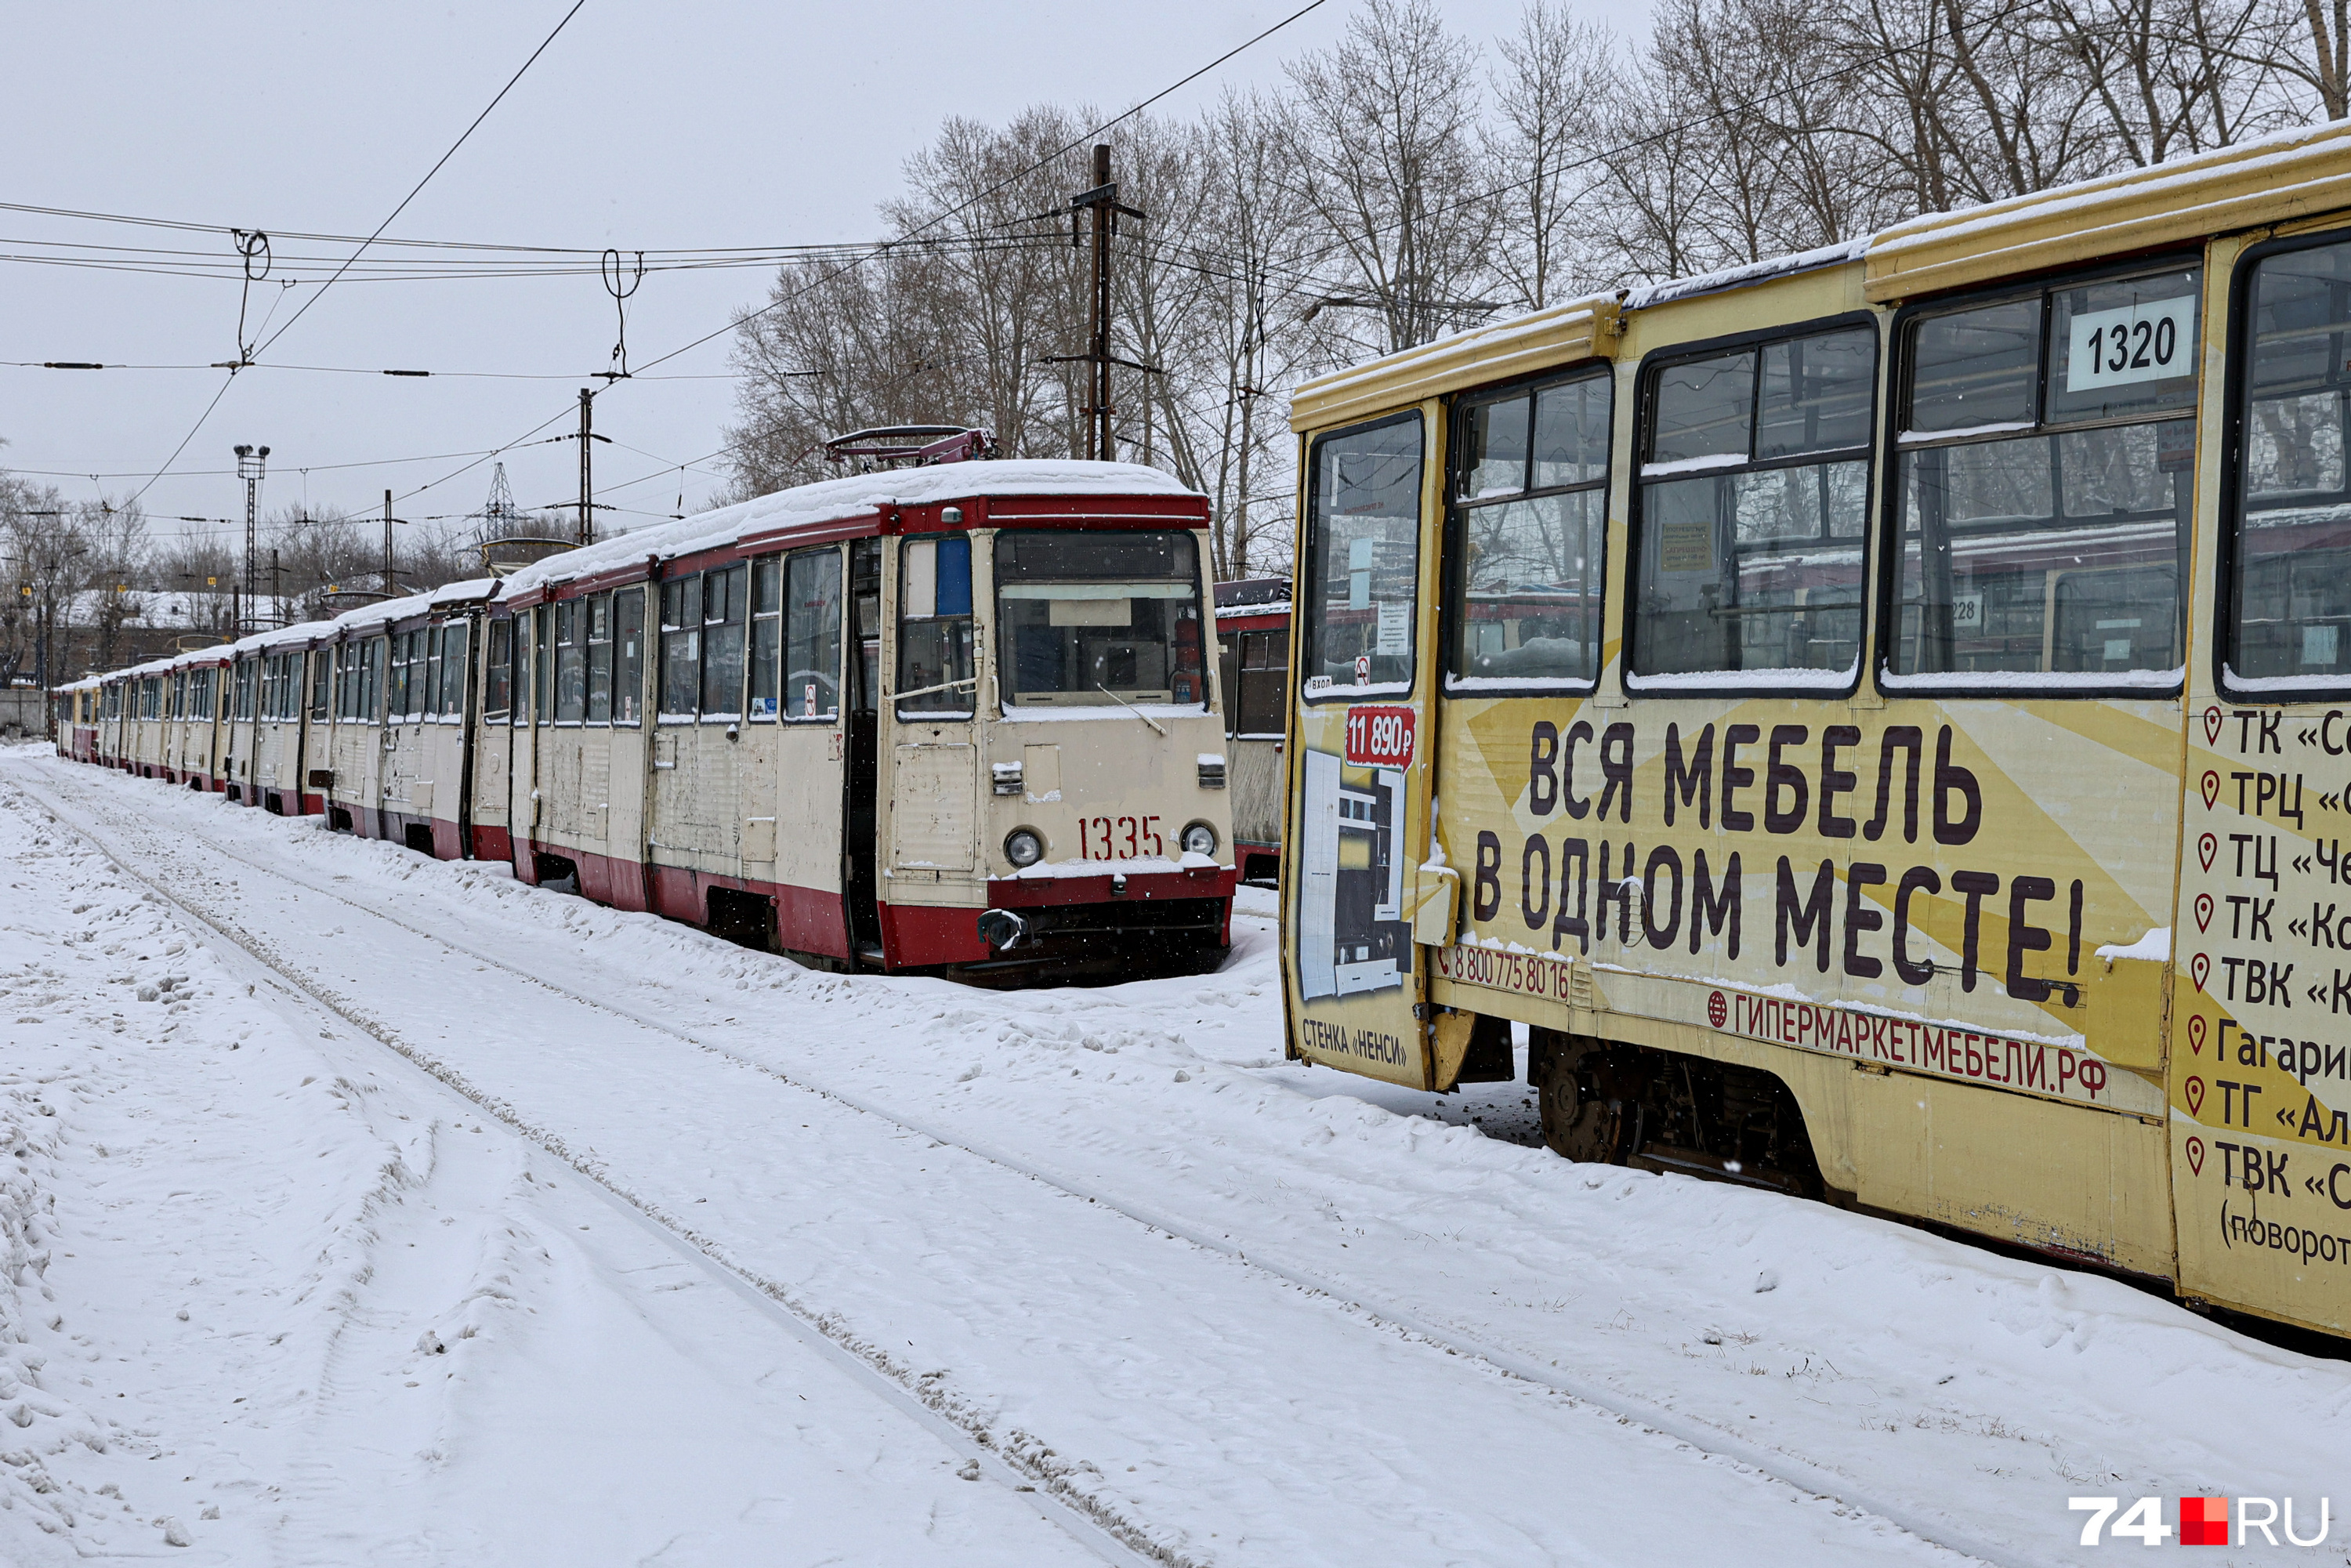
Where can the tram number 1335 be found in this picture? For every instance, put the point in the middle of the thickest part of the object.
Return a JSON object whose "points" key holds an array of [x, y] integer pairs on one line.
{"points": [[1119, 838]]}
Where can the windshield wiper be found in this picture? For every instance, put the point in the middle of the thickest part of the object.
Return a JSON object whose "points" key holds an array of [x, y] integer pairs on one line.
{"points": [[1130, 708]]}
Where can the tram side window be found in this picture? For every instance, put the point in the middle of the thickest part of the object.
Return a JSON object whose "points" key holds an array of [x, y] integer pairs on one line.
{"points": [[2046, 466], [766, 637], [1363, 559], [2290, 624], [403, 646], [424, 671], [321, 685], [241, 705], [570, 663], [1752, 504], [628, 655], [724, 599], [600, 658], [371, 679], [934, 652], [1264, 675], [681, 647], [453, 671], [1529, 515], [435, 672], [812, 635], [542, 663], [497, 676]]}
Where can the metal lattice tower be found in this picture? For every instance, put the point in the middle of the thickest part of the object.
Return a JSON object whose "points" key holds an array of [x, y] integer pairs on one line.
{"points": [[501, 518]]}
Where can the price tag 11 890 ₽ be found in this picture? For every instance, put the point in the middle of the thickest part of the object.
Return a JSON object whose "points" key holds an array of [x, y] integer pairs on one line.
{"points": [[1380, 737]]}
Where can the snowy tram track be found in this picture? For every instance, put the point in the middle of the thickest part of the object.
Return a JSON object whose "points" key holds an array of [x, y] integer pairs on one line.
{"points": [[1779, 1466], [1103, 1534], [155, 866]]}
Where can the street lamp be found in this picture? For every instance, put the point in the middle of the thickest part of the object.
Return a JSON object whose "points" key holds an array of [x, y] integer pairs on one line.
{"points": [[252, 462]]}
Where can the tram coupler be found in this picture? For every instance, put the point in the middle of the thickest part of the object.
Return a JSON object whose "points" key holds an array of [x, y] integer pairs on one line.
{"points": [[1002, 929]]}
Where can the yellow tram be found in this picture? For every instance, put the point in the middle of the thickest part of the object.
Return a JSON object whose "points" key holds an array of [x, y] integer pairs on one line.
{"points": [[1880, 719]]}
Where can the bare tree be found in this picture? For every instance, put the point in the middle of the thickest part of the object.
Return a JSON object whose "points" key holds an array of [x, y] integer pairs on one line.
{"points": [[1551, 97], [1389, 167]]}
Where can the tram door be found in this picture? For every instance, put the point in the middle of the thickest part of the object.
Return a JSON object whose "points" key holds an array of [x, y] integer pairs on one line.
{"points": [[1359, 793], [860, 733]]}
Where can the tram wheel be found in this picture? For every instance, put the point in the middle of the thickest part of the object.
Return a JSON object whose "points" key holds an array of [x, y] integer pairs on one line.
{"points": [[1591, 1104]]}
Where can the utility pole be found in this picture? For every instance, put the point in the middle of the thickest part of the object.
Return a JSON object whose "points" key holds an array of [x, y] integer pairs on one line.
{"points": [[388, 590], [587, 482], [252, 462], [276, 591], [1102, 202]]}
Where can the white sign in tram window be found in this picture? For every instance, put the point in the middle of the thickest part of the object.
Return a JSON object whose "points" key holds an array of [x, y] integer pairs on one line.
{"points": [[1395, 627], [2148, 342], [1967, 613]]}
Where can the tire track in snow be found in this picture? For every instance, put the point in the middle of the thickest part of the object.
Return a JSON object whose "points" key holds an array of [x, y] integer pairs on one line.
{"points": [[1097, 1529], [1705, 1442]]}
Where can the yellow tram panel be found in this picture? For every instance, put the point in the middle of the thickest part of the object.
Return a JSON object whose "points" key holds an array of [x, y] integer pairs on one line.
{"points": [[1804, 697]]}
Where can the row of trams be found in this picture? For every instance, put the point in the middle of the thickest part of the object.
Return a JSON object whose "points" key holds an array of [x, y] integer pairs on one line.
{"points": [[986, 718]]}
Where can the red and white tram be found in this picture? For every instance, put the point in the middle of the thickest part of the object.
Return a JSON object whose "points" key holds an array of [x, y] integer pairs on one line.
{"points": [[961, 717]]}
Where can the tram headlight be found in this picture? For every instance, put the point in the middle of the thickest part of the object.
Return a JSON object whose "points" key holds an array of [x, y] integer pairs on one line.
{"points": [[1199, 838], [1023, 848]]}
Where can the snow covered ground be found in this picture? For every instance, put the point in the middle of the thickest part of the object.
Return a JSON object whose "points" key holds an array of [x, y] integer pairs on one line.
{"points": [[440, 1219]]}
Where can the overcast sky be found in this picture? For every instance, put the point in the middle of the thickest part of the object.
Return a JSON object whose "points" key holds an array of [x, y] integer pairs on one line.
{"points": [[642, 126]]}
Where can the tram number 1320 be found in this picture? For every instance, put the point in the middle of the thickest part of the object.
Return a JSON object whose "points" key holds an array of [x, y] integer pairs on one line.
{"points": [[1119, 838]]}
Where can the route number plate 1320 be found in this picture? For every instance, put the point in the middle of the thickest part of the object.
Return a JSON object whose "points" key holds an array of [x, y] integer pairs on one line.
{"points": [[1379, 736]]}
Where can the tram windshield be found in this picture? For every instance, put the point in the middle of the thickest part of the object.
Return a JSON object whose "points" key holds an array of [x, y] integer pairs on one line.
{"points": [[1099, 618]]}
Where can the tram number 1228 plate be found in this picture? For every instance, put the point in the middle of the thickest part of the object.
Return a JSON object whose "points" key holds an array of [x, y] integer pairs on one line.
{"points": [[1380, 737]]}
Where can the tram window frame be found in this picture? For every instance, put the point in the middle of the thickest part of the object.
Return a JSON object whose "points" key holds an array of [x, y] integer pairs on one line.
{"points": [[320, 675], [570, 663], [2237, 449], [371, 662], [241, 701], [497, 671], [456, 637], [725, 598], [681, 649], [1308, 617], [1807, 681], [424, 706], [628, 657], [760, 671], [2051, 428], [813, 624], [935, 585], [1462, 508], [542, 665], [598, 616], [396, 679], [1262, 686]]}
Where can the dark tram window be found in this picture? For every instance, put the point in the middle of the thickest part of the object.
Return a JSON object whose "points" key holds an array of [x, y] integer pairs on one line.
{"points": [[1528, 520], [2288, 629], [1362, 576], [2044, 474], [1753, 500]]}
